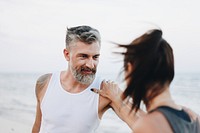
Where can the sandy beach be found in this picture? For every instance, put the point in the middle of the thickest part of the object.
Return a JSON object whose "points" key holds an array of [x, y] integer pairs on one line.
{"points": [[10, 126], [15, 120]]}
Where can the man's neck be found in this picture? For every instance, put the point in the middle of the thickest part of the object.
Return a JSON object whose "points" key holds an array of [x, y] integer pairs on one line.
{"points": [[70, 84]]}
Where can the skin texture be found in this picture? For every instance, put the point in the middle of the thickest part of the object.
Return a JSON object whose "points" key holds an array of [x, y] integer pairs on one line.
{"points": [[80, 55]]}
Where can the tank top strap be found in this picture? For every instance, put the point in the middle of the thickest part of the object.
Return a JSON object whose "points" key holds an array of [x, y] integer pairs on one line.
{"points": [[53, 80], [177, 123]]}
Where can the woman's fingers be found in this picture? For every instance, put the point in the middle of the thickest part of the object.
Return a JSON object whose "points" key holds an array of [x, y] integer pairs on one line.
{"points": [[95, 90], [109, 89]]}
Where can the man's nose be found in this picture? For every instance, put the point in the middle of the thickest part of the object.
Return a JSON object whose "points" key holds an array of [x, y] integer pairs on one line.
{"points": [[90, 63]]}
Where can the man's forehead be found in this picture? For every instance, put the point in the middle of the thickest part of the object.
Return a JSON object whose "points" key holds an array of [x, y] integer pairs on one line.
{"points": [[84, 46], [80, 43], [87, 49]]}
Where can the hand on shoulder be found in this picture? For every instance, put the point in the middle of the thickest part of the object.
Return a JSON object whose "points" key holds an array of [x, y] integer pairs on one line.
{"points": [[110, 90]]}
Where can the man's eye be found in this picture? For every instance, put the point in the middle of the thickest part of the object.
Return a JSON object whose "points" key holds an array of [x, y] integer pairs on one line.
{"points": [[84, 56], [96, 57]]}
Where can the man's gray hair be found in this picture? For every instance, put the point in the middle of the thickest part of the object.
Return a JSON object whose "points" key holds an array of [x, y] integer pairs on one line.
{"points": [[84, 34]]}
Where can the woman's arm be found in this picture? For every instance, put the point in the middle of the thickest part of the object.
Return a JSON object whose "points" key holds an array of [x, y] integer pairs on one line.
{"points": [[121, 107]]}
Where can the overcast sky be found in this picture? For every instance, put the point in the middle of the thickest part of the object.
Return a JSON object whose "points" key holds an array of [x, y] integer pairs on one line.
{"points": [[32, 32]]}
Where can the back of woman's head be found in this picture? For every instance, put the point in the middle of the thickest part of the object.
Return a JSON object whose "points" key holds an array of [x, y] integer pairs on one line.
{"points": [[152, 61]]}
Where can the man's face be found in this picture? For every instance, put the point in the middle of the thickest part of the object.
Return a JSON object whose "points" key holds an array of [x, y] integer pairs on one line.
{"points": [[83, 61]]}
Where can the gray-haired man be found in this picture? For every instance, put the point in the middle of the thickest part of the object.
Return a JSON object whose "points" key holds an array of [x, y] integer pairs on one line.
{"points": [[65, 103]]}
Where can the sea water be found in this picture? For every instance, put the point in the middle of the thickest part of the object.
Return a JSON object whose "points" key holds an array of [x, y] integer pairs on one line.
{"points": [[18, 101]]}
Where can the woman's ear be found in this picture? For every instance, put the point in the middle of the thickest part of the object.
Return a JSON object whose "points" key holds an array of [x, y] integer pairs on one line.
{"points": [[66, 54], [129, 68], [128, 72]]}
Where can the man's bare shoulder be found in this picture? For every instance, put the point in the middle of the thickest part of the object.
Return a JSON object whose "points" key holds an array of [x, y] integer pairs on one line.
{"points": [[43, 78], [42, 83]]}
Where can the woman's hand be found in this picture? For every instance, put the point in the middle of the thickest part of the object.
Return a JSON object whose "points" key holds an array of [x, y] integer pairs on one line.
{"points": [[110, 90]]}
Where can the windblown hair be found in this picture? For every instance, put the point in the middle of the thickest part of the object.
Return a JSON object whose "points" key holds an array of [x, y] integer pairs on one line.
{"points": [[153, 67], [84, 34]]}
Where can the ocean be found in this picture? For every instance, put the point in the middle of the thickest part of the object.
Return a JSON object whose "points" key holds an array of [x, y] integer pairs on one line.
{"points": [[18, 102]]}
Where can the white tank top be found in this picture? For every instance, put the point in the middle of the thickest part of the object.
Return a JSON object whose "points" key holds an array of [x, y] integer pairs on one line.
{"points": [[64, 112]]}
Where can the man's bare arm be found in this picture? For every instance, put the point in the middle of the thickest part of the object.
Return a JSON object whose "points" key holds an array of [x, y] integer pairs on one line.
{"points": [[40, 89]]}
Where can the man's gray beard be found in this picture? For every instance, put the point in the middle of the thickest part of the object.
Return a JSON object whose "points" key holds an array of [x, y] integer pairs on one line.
{"points": [[83, 79]]}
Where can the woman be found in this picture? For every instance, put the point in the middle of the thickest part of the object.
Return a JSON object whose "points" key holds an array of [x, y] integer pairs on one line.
{"points": [[149, 70]]}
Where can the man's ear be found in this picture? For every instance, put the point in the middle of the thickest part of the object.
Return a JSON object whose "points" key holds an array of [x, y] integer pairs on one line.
{"points": [[66, 54]]}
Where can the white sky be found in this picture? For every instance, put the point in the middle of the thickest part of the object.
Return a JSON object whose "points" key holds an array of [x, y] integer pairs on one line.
{"points": [[32, 32]]}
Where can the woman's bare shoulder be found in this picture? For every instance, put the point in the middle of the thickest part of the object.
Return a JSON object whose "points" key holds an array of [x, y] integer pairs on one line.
{"points": [[193, 115], [153, 122]]}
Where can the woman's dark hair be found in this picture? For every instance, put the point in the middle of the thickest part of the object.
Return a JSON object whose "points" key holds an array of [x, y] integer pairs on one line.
{"points": [[153, 67]]}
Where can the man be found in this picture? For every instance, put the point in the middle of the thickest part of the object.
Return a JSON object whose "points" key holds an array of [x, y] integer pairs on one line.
{"points": [[65, 103]]}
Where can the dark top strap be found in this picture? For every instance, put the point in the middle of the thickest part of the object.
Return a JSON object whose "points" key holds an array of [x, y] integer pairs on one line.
{"points": [[179, 120]]}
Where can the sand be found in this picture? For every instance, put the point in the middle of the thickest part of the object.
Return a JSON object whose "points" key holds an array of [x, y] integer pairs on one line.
{"points": [[10, 126]]}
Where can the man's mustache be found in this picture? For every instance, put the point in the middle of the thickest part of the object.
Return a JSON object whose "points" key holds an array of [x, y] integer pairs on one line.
{"points": [[88, 69]]}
